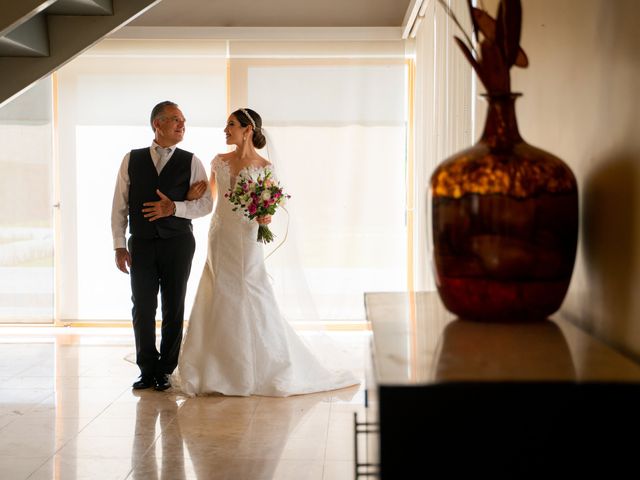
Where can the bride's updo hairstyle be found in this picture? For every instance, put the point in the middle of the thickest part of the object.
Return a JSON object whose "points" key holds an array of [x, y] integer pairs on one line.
{"points": [[247, 117]]}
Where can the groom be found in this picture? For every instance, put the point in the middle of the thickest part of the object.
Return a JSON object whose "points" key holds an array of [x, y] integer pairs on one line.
{"points": [[150, 196]]}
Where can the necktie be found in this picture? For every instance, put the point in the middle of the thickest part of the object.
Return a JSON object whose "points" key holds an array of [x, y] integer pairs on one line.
{"points": [[163, 157]]}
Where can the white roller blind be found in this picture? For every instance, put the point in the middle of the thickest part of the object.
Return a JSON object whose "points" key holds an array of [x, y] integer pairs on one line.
{"points": [[105, 99], [329, 94], [337, 111], [339, 126]]}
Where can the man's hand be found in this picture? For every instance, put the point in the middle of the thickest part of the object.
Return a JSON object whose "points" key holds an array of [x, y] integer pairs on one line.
{"points": [[160, 209], [123, 260]]}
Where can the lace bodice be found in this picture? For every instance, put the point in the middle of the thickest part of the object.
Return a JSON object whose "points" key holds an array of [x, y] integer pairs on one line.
{"points": [[226, 181]]}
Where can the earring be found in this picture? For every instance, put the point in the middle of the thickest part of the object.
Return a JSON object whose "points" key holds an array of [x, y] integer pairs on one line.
{"points": [[244, 138]]}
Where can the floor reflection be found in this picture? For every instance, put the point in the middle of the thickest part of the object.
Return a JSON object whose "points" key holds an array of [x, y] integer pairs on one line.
{"points": [[232, 438], [151, 446], [67, 411]]}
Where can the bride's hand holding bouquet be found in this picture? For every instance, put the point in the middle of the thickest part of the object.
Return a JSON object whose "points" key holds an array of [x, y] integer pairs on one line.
{"points": [[258, 197]]}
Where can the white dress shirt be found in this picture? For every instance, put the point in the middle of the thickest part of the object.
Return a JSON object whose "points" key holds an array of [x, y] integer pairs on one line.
{"points": [[187, 209]]}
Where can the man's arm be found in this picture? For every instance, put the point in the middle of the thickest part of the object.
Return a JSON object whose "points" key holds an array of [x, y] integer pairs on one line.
{"points": [[119, 214], [203, 205], [120, 206], [165, 207]]}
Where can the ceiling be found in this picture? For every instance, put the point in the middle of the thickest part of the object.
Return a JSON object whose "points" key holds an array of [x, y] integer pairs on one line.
{"points": [[275, 13]]}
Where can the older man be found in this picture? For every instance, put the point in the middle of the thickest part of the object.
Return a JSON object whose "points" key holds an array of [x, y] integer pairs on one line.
{"points": [[151, 192]]}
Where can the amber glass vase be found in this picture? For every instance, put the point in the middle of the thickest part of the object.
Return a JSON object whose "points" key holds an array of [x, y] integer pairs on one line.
{"points": [[505, 224]]}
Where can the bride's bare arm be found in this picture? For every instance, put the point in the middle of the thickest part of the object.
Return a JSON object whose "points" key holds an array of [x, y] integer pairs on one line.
{"points": [[196, 190], [212, 184]]}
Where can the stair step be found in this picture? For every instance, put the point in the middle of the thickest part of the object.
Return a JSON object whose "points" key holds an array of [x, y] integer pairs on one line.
{"points": [[16, 13], [68, 36], [28, 40], [81, 7], [25, 31]]}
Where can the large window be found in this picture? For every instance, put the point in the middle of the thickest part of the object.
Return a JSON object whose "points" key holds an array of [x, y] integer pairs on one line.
{"points": [[26, 213], [106, 96], [339, 128], [335, 111]]}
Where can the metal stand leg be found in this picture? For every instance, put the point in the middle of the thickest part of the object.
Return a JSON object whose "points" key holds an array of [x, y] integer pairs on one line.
{"points": [[364, 469]]}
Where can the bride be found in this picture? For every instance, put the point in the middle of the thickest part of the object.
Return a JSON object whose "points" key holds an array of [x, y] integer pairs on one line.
{"points": [[237, 341]]}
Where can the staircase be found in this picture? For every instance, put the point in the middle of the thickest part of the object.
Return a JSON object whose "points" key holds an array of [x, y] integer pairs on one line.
{"points": [[39, 36]]}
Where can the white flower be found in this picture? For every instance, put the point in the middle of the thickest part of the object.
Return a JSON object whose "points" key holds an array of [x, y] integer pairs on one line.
{"points": [[266, 195]]}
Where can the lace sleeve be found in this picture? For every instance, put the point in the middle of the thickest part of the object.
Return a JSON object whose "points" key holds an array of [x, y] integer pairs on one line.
{"points": [[216, 163], [274, 173]]}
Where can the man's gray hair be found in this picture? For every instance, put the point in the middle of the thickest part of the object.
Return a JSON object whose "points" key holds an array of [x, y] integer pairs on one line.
{"points": [[159, 109]]}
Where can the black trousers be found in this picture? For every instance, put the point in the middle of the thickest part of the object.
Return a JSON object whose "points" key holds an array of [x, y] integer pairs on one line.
{"points": [[159, 264]]}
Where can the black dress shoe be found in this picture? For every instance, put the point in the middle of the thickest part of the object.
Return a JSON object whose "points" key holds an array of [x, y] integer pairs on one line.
{"points": [[143, 382], [162, 383]]}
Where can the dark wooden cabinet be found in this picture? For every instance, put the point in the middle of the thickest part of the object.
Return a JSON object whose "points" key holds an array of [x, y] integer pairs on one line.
{"points": [[458, 399]]}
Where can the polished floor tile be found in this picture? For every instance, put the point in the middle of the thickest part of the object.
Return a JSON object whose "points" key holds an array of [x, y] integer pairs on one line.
{"points": [[67, 411]]}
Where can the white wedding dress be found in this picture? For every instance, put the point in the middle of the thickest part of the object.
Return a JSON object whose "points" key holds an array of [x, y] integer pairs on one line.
{"points": [[237, 341]]}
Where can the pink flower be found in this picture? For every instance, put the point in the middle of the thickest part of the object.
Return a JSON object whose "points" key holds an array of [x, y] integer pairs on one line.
{"points": [[252, 208]]}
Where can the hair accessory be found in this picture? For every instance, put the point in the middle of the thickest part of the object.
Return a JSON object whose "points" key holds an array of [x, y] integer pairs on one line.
{"points": [[249, 117]]}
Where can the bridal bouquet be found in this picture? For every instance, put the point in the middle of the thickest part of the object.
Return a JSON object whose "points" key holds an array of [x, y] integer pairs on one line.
{"points": [[257, 197]]}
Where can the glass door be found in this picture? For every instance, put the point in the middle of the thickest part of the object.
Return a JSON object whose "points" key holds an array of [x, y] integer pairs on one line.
{"points": [[26, 212]]}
